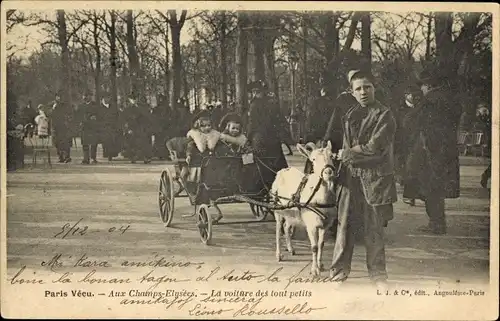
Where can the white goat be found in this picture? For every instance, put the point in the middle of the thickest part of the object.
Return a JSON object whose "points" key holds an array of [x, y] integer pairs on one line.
{"points": [[318, 190]]}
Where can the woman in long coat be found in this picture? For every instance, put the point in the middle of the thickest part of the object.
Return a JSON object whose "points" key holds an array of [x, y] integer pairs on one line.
{"points": [[432, 166], [264, 132]]}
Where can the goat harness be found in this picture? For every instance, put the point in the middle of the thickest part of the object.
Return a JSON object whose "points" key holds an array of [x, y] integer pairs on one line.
{"points": [[295, 200]]}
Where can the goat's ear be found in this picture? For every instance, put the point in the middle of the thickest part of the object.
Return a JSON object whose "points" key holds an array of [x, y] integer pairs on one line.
{"points": [[303, 150], [329, 145]]}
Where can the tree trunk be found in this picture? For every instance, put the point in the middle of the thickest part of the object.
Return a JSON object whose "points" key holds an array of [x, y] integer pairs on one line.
{"points": [[114, 60], [216, 88], [223, 59], [305, 80], [97, 71], [65, 74], [175, 33], [241, 64], [259, 47], [132, 56], [167, 69], [269, 64], [428, 39], [366, 45], [444, 44]]}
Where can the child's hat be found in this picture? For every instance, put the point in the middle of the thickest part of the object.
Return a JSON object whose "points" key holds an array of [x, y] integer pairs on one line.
{"points": [[229, 117], [201, 114]]}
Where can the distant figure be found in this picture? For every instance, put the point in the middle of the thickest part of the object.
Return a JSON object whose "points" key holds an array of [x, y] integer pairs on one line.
{"points": [[60, 117], [406, 134], [484, 116], [42, 123], [109, 130], [265, 132], [432, 167], [90, 129]]}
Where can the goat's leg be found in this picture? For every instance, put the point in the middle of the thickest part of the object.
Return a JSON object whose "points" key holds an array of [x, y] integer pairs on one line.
{"points": [[321, 243], [312, 232], [279, 224], [288, 237]]}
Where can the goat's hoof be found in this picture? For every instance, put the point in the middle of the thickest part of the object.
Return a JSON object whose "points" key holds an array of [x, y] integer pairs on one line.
{"points": [[321, 267], [292, 251], [279, 257], [315, 272]]}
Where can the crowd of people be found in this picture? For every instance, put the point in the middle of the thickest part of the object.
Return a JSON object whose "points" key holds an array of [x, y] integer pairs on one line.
{"points": [[377, 146]]}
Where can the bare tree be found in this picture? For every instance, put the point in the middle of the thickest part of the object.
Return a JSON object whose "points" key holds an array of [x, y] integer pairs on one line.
{"points": [[241, 62], [65, 74], [132, 56]]}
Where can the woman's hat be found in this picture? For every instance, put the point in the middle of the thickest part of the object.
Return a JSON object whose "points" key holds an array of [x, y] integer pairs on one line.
{"points": [[229, 117]]}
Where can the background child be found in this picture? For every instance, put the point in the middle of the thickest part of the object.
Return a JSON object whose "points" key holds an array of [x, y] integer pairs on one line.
{"points": [[232, 138]]}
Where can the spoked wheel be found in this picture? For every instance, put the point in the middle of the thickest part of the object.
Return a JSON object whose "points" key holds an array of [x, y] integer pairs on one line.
{"points": [[259, 212], [166, 197], [204, 223]]}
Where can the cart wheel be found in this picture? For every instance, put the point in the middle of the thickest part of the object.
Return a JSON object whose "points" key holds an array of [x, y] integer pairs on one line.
{"points": [[166, 197], [259, 212], [204, 223]]}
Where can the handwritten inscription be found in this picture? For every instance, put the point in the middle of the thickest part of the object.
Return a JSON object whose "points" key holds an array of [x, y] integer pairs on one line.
{"points": [[157, 280], [21, 278], [78, 229]]}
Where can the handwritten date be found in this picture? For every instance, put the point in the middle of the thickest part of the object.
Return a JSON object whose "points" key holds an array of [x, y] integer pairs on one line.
{"points": [[78, 229]]}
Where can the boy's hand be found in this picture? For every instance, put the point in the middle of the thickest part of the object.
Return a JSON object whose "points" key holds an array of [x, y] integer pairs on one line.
{"points": [[188, 159]]}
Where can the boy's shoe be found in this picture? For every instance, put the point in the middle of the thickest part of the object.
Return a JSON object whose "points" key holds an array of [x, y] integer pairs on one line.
{"points": [[433, 228], [94, 161], [484, 181], [67, 160], [409, 201], [85, 162]]}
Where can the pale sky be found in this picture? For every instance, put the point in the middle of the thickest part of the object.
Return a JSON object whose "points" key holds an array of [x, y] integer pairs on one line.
{"points": [[28, 39]]}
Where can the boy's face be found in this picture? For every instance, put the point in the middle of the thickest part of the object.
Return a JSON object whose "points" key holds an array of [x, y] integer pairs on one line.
{"points": [[234, 129], [205, 125], [363, 90]]}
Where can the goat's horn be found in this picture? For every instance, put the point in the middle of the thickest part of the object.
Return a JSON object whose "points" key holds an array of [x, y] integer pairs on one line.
{"points": [[311, 145]]}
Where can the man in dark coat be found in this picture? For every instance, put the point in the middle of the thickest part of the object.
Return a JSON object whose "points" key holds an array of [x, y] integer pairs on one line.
{"points": [[91, 126], [110, 130], [264, 132], [433, 166], [161, 123], [406, 133], [321, 109], [136, 123], [61, 116], [484, 117], [366, 184], [329, 128]]}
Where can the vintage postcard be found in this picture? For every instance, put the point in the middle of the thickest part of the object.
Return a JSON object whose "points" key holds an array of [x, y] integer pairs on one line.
{"points": [[249, 160]]}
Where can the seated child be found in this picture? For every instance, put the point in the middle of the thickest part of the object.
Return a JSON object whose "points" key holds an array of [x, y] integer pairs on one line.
{"points": [[233, 141], [202, 139]]}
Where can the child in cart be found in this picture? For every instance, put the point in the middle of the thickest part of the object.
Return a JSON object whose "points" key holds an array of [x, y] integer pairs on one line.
{"points": [[233, 142], [203, 140]]}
